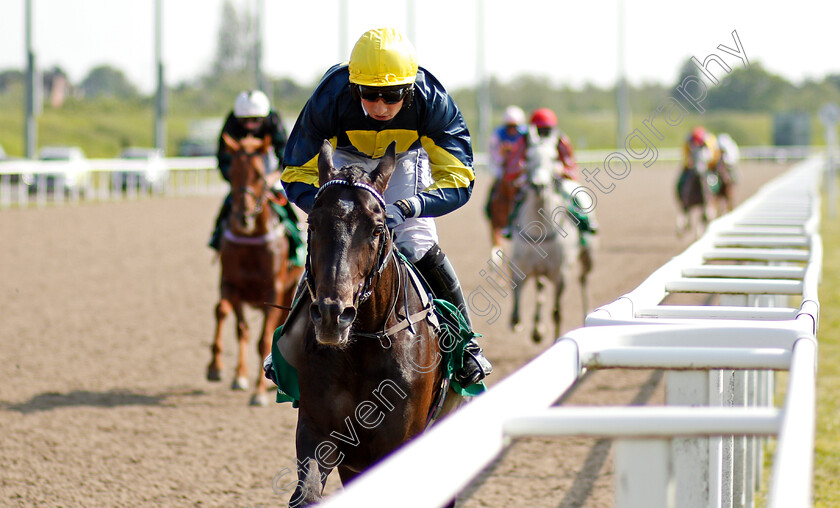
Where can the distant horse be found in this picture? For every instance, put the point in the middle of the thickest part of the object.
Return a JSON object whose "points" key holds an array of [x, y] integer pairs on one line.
{"points": [[503, 193], [500, 207], [368, 354], [722, 186], [254, 259], [724, 170], [694, 195], [544, 248]]}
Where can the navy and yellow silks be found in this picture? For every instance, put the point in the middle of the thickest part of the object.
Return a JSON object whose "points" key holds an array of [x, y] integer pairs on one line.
{"points": [[432, 122]]}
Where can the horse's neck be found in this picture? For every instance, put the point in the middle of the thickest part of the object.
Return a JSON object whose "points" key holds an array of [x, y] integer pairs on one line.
{"points": [[265, 225], [540, 205], [541, 152], [385, 294]]}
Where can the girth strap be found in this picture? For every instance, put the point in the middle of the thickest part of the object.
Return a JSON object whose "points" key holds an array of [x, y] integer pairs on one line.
{"points": [[427, 312]]}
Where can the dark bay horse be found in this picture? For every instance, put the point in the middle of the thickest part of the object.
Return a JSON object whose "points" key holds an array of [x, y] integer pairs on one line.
{"points": [[254, 259], [363, 337], [693, 193]]}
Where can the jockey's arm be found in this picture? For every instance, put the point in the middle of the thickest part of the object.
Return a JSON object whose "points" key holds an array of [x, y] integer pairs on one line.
{"points": [[444, 136], [278, 139], [565, 152], [223, 158]]}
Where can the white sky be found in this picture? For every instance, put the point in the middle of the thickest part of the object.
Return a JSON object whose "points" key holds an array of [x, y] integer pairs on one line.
{"points": [[570, 42]]}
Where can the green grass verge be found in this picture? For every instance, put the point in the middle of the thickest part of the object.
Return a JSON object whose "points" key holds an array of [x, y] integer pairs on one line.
{"points": [[827, 445]]}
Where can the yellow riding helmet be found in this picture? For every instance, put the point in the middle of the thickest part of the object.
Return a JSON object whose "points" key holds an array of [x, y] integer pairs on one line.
{"points": [[383, 57]]}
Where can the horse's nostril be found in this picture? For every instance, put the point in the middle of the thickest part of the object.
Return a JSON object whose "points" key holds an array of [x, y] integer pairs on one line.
{"points": [[315, 313], [347, 316]]}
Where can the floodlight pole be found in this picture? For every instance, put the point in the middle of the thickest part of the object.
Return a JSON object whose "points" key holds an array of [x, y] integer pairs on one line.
{"points": [[483, 95], [261, 83], [623, 106], [30, 132], [160, 102], [411, 22], [343, 54]]}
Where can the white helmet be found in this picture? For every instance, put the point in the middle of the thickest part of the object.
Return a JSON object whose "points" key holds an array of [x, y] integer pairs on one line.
{"points": [[514, 116], [251, 104]]}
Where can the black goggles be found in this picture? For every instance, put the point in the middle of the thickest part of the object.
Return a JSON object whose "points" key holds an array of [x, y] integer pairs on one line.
{"points": [[389, 95]]}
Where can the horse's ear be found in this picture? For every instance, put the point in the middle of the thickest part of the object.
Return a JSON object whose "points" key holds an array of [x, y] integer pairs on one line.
{"points": [[379, 177], [326, 170], [231, 144]]}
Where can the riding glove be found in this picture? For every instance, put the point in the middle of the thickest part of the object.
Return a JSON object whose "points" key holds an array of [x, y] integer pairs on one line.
{"points": [[396, 213], [268, 369]]}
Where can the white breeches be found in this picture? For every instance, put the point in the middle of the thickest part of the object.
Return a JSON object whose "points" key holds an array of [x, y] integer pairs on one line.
{"points": [[412, 175]]}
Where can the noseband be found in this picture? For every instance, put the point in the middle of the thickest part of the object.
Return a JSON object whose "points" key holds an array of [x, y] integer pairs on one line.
{"points": [[383, 255]]}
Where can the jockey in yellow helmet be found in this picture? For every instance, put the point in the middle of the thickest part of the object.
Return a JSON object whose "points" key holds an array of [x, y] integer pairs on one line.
{"points": [[383, 96]]}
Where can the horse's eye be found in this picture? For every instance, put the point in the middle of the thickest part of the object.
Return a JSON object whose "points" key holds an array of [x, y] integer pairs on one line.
{"points": [[378, 230]]}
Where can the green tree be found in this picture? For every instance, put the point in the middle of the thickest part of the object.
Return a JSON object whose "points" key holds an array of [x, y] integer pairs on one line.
{"points": [[106, 81], [10, 78], [235, 45], [751, 89]]}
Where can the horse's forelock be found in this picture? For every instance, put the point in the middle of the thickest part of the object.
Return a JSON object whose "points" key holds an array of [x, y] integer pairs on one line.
{"points": [[352, 174]]}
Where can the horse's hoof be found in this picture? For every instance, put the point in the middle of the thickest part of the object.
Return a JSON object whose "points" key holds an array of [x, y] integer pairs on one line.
{"points": [[259, 399], [214, 374], [516, 327], [239, 383], [536, 337]]}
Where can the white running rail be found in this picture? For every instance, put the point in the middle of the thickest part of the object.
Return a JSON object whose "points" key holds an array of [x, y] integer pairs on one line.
{"points": [[704, 448]]}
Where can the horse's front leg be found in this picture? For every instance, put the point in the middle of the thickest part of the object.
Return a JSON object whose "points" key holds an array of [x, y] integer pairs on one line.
{"points": [[682, 222], [240, 382], [312, 474], [514, 313], [559, 286], [214, 369], [537, 334], [271, 321]]}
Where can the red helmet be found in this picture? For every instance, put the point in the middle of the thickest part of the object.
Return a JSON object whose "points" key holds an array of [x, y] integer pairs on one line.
{"points": [[543, 117], [698, 135]]}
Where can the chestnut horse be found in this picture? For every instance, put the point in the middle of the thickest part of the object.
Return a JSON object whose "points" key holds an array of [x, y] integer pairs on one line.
{"points": [[504, 191], [254, 257], [502, 196], [364, 337], [723, 187]]}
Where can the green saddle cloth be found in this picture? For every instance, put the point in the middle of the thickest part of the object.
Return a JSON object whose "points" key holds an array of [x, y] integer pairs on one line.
{"points": [[297, 247], [455, 334]]}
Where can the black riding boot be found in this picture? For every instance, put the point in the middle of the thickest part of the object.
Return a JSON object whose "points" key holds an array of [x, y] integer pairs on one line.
{"points": [[439, 273], [216, 237]]}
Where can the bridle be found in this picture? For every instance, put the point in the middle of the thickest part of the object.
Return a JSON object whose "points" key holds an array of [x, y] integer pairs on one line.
{"points": [[384, 253], [259, 200]]}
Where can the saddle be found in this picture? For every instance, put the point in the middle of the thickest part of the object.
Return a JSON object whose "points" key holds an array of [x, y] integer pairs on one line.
{"points": [[452, 331]]}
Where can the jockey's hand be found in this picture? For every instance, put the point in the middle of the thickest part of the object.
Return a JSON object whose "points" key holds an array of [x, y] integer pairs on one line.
{"points": [[268, 369], [395, 213]]}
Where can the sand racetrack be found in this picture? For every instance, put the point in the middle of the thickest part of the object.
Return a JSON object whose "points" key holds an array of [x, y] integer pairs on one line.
{"points": [[107, 319]]}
